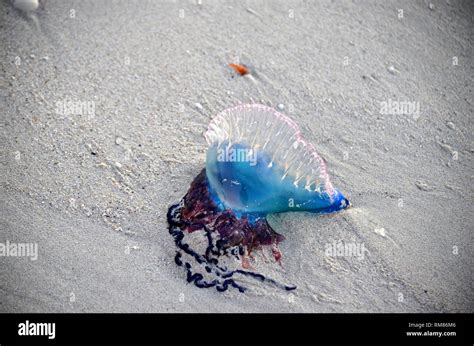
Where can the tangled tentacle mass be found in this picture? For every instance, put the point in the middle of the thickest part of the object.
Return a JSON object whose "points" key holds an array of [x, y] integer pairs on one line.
{"points": [[225, 233]]}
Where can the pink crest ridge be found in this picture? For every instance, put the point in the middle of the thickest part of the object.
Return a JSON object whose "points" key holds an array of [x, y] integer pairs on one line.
{"points": [[212, 130]]}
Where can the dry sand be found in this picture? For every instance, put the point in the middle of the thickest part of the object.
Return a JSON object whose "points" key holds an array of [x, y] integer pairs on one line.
{"points": [[92, 190]]}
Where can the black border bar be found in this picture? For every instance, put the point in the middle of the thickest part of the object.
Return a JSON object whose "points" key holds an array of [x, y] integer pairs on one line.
{"points": [[223, 329]]}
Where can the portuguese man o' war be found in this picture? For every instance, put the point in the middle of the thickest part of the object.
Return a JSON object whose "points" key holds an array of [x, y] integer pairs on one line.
{"points": [[257, 164]]}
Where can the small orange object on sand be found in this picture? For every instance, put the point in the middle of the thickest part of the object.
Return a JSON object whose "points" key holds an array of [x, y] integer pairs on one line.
{"points": [[240, 69]]}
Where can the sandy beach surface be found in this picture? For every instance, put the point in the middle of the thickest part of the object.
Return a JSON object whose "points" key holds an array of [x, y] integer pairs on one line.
{"points": [[92, 188]]}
